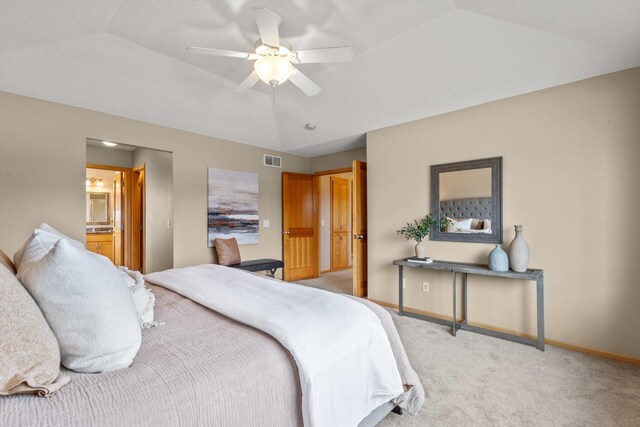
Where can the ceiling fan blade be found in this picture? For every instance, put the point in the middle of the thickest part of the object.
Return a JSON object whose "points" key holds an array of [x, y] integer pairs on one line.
{"points": [[329, 54], [221, 52], [304, 83], [248, 82], [268, 26]]}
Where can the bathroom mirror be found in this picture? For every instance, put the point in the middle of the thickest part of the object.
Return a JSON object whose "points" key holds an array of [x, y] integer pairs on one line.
{"points": [[98, 208], [466, 200]]}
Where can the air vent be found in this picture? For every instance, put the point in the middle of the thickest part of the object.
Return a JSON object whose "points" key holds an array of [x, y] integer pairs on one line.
{"points": [[273, 161]]}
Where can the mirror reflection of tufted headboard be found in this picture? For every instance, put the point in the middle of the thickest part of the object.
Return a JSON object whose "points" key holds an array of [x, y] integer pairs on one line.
{"points": [[475, 207]]}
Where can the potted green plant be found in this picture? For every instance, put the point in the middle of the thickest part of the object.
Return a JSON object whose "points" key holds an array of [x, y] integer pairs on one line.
{"points": [[420, 229]]}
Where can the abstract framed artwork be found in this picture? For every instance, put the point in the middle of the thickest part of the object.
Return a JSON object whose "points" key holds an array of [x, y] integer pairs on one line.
{"points": [[232, 206]]}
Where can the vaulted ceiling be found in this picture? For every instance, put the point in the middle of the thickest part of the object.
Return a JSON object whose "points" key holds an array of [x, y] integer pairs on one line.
{"points": [[412, 59]]}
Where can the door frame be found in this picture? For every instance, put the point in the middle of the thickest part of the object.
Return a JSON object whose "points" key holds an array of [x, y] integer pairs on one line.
{"points": [[127, 206], [139, 209], [336, 172]]}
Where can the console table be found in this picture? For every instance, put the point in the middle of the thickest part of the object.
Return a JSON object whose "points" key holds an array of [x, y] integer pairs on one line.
{"points": [[482, 270]]}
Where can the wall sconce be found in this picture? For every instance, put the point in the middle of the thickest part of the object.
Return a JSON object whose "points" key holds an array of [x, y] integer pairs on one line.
{"points": [[93, 182]]}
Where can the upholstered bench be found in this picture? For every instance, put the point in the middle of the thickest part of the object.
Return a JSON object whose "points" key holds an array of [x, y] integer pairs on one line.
{"points": [[265, 264]]}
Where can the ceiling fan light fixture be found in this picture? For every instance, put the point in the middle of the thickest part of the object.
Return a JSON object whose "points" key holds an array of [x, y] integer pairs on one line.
{"points": [[273, 70]]}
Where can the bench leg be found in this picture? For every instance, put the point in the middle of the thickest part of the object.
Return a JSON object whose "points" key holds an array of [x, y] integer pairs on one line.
{"points": [[272, 272]]}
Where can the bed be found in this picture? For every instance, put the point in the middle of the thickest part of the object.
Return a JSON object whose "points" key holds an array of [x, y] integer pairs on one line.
{"points": [[199, 368], [468, 215]]}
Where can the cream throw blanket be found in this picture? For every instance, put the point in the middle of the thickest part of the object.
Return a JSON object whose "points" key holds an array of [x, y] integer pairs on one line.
{"points": [[344, 358]]}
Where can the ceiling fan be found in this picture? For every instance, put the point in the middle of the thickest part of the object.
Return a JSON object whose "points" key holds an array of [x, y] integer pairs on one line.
{"points": [[274, 58]]}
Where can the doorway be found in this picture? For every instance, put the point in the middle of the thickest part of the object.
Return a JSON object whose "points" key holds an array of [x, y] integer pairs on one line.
{"points": [[107, 212], [332, 207], [139, 222]]}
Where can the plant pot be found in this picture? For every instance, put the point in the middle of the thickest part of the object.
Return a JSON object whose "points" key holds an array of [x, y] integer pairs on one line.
{"points": [[421, 250]]}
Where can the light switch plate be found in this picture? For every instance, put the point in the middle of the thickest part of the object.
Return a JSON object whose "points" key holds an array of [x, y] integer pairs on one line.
{"points": [[265, 223]]}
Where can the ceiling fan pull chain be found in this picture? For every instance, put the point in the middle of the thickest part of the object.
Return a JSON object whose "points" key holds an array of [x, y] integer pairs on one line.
{"points": [[273, 96]]}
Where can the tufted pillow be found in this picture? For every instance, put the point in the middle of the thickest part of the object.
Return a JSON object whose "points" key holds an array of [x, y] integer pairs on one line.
{"points": [[460, 225], [6, 261], [228, 252], [87, 305], [29, 353]]}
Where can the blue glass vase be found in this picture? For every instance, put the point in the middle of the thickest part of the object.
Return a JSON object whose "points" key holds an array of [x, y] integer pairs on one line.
{"points": [[498, 260]]}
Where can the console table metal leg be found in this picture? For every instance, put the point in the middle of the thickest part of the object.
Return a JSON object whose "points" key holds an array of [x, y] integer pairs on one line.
{"points": [[540, 303], [464, 297], [454, 303], [400, 293]]}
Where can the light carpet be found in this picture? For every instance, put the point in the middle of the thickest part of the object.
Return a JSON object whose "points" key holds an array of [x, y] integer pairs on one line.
{"points": [[340, 281], [475, 380]]}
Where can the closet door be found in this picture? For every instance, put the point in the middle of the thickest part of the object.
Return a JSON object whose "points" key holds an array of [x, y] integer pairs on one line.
{"points": [[339, 223], [359, 227]]}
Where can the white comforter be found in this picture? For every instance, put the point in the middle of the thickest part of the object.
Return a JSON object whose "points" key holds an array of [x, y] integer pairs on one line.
{"points": [[344, 358]]}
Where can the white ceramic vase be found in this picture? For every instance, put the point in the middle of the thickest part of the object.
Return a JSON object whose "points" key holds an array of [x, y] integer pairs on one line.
{"points": [[421, 250], [518, 252]]}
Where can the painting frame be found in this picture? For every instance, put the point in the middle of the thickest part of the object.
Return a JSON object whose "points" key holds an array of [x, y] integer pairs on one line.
{"points": [[233, 202]]}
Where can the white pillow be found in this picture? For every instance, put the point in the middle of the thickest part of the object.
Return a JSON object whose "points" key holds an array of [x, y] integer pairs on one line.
{"points": [[487, 225], [53, 236], [143, 298], [460, 225], [88, 307]]}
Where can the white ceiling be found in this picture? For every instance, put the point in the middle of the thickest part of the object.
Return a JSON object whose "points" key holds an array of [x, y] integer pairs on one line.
{"points": [[413, 59], [122, 147]]}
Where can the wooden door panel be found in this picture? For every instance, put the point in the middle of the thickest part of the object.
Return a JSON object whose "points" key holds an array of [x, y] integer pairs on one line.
{"points": [[359, 228], [117, 219], [299, 226], [339, 223]]}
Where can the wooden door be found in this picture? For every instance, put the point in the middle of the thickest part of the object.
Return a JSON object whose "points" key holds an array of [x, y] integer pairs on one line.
{"points": [[137, 219], [359, 228], [118, 218], [339, 223], [300, 226]]}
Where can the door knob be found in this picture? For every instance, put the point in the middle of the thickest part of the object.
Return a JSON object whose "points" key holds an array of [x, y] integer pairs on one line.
{"points": [[286, 232], [358, 236]]}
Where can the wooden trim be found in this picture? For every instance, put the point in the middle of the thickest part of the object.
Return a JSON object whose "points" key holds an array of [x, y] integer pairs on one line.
{"points": [[108, 167], [580, 349], [334, 171], [325, 271], [140, 239]]}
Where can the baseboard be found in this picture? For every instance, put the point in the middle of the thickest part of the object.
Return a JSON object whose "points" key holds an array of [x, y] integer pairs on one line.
{"points": [[325, 271], [587, 350]]}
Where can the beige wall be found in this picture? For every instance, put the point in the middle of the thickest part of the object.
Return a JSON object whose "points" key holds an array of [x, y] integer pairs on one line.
{"points": [[340, 160], [108, 156], [39, 138], [158, 207], [571, 177]]}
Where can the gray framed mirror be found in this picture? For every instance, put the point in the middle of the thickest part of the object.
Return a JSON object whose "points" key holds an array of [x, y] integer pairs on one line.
{"points": [[466, 200]]}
